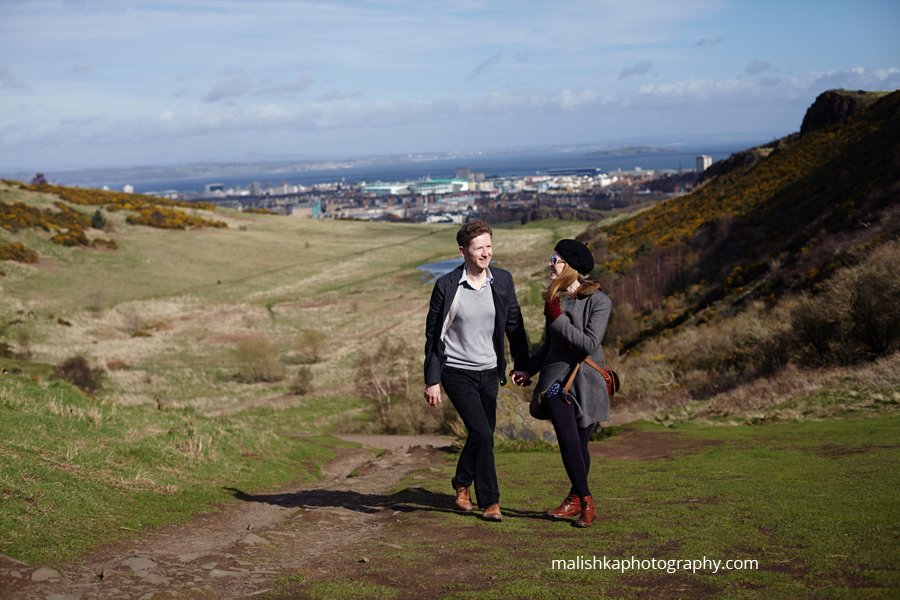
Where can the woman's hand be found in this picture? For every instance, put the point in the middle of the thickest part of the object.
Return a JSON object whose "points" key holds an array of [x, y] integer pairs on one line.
{"points": [[552, 310]]}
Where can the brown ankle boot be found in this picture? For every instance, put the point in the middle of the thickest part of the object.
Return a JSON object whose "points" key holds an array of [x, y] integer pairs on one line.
{"points": [[570, 507], [462, 496], [587, 512]]}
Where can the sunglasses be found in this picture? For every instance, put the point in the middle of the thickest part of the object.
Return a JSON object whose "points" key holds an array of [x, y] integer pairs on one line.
{"points": [[555, 259]]}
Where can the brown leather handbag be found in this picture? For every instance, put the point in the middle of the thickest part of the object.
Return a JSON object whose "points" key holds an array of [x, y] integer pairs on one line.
{"points": [[612, 379]]}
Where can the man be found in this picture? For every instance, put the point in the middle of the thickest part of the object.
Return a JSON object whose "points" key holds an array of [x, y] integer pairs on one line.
{"points": [[471, 308]]}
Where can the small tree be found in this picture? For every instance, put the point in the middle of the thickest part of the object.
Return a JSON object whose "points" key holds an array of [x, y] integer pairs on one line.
{"points": [[98, 221]]}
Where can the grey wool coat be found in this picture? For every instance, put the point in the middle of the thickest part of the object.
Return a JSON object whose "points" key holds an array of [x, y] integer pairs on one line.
{"points": [[582, 325]]}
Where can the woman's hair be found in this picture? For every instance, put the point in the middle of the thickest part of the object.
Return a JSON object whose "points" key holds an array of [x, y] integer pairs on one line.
{"points": [[560, 285]]}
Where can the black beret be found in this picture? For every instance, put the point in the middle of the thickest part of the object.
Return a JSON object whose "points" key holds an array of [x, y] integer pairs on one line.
{"points": [[576, 255]]}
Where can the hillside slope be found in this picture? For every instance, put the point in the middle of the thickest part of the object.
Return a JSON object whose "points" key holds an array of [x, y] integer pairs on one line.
{"points": [[784, 218], [769, 292]]}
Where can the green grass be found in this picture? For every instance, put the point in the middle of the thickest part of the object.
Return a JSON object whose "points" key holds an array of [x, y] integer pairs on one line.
{"points": [[76, 471], [815, 504]]}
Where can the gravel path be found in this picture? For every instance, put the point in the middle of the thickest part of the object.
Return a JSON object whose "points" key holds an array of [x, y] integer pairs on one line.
{"points": [[239, 551]]}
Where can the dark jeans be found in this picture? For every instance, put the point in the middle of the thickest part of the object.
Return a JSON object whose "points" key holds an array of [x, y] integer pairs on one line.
{"points": [[474, 395], [573, 443]]}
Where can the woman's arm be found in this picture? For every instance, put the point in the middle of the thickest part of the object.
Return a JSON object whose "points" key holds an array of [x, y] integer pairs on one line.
{"points": [[588, 339]]}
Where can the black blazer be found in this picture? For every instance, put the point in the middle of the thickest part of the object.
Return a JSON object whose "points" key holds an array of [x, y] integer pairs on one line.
{"points": [[508, 319]]}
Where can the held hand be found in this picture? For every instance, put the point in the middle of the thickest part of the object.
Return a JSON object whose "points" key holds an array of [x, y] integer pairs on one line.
{"points": [[433, 394], [521, 378], [552, 310]]}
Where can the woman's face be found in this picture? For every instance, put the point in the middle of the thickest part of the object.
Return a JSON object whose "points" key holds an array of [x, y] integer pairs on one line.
{"points": [[557, 264]]}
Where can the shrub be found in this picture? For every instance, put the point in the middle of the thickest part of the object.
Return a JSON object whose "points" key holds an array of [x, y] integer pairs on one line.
{"points": [[311, 346], [259, 360], [390, 378], [77, 371], [302, 382], [622, 325], [18, 252], [167, 218], [24, 341], [857, 315]]}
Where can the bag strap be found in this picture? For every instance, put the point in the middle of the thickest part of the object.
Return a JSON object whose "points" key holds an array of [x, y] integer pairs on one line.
{"points": [[586, 359], [611, 384], [565, 394]]}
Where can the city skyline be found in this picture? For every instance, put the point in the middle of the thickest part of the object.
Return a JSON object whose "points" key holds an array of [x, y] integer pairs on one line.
{"points": [[102, 84]]}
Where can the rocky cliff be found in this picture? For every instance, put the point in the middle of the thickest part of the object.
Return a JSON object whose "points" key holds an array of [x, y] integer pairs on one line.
{"points": [[835, 106]]}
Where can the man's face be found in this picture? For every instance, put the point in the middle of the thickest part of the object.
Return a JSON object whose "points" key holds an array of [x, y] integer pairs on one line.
{"points": [[478, 254]]}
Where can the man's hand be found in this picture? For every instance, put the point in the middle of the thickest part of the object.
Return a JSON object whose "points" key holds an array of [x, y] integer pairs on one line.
{"points": [[521, 378], [433, 394]]}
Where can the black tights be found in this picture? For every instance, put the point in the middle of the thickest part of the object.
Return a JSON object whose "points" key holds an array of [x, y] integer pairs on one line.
{"points": [[573, 443]]}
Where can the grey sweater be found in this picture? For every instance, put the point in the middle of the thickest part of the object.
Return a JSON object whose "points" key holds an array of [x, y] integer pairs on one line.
{"points": [[582, 325]]}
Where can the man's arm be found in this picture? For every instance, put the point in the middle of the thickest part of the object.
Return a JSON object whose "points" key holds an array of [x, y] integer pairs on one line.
{"points": [[515, 331], [432, 364]]}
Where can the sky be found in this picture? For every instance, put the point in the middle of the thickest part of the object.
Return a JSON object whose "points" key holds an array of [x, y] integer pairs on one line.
{"points": [[106, 83]]}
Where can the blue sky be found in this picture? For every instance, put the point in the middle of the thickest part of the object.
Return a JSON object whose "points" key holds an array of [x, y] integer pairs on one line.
{"points": [[90, 83]]}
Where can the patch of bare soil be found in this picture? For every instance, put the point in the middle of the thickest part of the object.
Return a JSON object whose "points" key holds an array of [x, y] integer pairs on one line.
{"points": [[646, 446]]}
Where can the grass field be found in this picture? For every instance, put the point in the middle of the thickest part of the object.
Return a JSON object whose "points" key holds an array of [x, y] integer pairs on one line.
{"points": [[813, 504]]}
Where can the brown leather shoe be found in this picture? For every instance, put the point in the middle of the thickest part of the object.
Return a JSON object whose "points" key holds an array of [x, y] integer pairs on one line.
{"points": [[587, 513], [462, 496], [492, 513], [570, 507]]}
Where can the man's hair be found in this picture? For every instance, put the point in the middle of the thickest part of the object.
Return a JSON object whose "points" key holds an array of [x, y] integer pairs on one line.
{"points": [[470, 231]]}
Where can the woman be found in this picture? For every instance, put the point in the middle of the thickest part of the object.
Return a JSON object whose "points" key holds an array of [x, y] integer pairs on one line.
{"points": [[577, 313]]}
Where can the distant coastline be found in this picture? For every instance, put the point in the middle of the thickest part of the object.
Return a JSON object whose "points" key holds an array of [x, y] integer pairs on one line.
{"points": [[499, 163], [634, 151]]}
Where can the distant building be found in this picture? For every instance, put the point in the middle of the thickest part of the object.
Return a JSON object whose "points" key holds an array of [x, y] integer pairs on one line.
{"points": [[703, 163], [441, 186], [385, 189], [309, 210], [128, 189], [254, 188], [213, 190], [465, 173]]}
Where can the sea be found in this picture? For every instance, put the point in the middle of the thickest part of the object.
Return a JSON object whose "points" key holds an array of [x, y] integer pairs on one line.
{"points": [[495, 165]]}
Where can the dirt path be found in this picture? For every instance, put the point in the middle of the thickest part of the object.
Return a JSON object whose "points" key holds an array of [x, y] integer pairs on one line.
{"points": [[228, 554], [257, 545]]}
